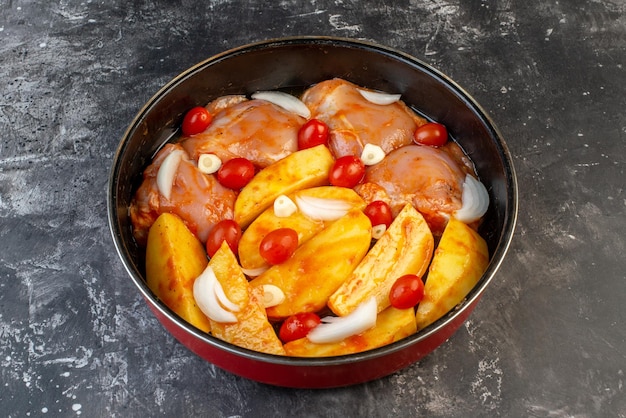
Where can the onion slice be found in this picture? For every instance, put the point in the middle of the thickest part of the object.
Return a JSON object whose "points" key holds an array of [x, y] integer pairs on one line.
{"points": [[322, 209], [335, 329], [475, 200], [167, 172], [379, 97], [254, 272], [284, 100], [205, 291]]}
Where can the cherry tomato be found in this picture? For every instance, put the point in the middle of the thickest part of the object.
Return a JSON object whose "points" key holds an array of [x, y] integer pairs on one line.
{"points": [[298, 326], [226, 230], [406, 292], [379, 213], [347, 171], [312, 133], [196, 120], [235, 173], [277, 246], [432, 133]]}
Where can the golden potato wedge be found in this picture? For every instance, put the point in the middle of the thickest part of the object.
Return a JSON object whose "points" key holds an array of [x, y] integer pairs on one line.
{"points": [[405, 248], [306, 227], [319, 266], [174, 258], [252, 329], [391, 325], [459, 261], [300, 170]]}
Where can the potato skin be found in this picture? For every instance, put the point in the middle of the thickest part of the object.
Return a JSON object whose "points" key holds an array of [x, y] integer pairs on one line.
{"points": [[319, 266], [252, 329], [174, 259], [300, 170], [405, 248], [249, 255], [459, 262]]}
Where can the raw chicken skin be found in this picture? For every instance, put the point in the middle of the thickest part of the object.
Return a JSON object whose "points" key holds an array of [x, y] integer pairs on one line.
{"points": [[354, 121], [429, 178], [254, 129], [197, 198]]}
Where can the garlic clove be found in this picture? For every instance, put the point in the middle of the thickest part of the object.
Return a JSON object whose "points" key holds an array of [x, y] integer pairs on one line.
{"points": [[378, 231], [372, 154], [272, 295], [284, 207], [209, 163]]}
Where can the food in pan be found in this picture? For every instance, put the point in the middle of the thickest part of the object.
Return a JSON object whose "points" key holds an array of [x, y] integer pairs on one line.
{"points": [[325, 224]]}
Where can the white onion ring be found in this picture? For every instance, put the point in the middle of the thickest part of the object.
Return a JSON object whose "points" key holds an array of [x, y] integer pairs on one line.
{"points": [[205, 293], [475, 200], [379, 97], [284, 100], [335, 329], [167, 172], [322, 209], [254, 272]]}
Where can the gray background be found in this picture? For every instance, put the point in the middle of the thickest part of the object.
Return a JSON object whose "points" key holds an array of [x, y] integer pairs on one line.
{"points": [[548, 337]]}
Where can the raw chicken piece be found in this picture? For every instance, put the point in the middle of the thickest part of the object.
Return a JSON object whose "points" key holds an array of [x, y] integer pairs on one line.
{"points": [[354, 121], [197, 198], [257, 130], [429, 178]]}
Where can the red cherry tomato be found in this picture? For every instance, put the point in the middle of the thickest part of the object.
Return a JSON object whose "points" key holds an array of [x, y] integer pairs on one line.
{"points": [[312, 133], [347, 171], [277, 246], [379, 213], [226, 230], [196, 120], [235, 173], [406, 292], [432, 133], [298, 326]]}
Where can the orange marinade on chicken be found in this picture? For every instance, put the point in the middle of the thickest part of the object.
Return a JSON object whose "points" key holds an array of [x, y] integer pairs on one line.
{"points": [[199, 200], [257, 130], [429, 178], [354, 121]]}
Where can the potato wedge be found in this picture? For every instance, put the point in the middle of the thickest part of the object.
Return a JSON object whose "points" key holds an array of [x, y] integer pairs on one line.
{"points": [[459, 261], [300, 170], [306, 227], [174, 258], [252, 329], [391, 325], [405, 248], [319, 266]]}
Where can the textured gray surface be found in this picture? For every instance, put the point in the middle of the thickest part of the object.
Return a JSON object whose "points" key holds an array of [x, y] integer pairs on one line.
{"points": [[548, 337]]}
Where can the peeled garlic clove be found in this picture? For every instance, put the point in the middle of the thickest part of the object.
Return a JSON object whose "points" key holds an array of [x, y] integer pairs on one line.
{"points": [[209, 163], [272, 295], [284, 207], [372, 154], [284, 100], [379, 97], [378, 231]]}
